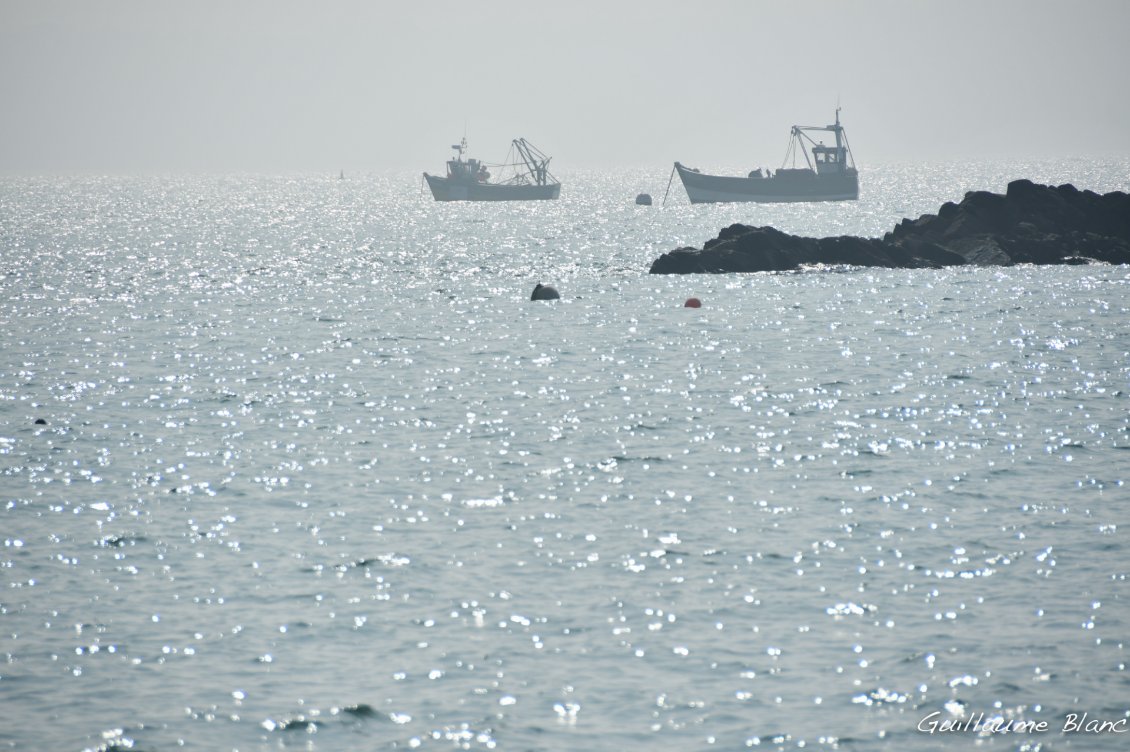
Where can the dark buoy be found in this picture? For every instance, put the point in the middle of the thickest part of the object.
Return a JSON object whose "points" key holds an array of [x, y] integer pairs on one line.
{"points": [[692, 303], [644, 199], [40, 422], [544, 292]]}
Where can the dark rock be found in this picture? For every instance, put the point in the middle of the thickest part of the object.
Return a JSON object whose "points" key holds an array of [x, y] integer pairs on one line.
{"points": [[544, 292], [1029, 224]]}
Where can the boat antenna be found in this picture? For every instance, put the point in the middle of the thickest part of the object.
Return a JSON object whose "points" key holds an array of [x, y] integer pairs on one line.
{"points": [[462, 146]]}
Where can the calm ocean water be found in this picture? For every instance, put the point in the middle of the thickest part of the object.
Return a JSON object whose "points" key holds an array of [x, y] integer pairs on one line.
{"points": [[294, 463]]}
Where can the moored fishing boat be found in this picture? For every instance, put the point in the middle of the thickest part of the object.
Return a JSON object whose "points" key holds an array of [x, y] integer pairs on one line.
{"points": [[828, 174], [526, 177]]}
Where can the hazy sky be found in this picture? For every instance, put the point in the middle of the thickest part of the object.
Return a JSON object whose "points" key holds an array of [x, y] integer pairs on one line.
{"points": [[279, 86]]}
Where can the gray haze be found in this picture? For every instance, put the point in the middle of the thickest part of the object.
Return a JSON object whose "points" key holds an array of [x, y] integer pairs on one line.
{"points": [[288, 86]]}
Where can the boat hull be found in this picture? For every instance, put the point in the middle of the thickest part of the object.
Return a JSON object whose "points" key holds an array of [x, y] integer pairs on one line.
{"points": [[784, 187], [445, 189]]}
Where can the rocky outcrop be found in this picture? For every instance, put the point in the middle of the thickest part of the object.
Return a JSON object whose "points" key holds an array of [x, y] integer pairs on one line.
{"points": [[1029, 224], [544, 292]]}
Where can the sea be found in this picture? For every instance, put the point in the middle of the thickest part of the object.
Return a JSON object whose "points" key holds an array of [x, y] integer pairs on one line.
{"points": [[294, 463]]}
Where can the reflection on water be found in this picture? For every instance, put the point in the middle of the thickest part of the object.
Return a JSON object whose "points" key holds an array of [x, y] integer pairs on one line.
{"points": [[295, 463]]}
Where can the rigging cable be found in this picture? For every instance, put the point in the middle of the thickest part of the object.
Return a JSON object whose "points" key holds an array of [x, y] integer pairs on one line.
{"points": [[669, 181]]}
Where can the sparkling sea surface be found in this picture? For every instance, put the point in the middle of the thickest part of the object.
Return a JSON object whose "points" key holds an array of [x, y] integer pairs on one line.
{"points": [[294, 463]]}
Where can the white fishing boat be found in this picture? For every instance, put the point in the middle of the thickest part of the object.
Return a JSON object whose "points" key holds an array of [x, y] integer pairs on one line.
{"points": [[828, 174], [524, 176]]}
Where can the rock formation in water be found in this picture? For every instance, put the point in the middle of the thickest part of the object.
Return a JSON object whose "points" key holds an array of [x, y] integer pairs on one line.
{"points": [[544, 292], [1029, 224]]}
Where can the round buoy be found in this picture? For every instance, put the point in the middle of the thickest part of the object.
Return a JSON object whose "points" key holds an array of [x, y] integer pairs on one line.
{"points": [[544, 292], [644, 199], [692, 303]]}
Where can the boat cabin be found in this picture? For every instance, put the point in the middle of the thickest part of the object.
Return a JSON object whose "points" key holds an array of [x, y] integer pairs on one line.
{"points": [[460, 170], [469, 171], [829, 159]]}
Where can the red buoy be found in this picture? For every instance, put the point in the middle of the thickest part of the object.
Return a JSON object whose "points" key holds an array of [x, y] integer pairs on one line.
{"points": [[692, 303]]}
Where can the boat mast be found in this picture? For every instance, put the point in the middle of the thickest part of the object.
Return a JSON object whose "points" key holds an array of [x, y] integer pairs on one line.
{"points": [[460, 147], [536, 162], [845, 146], [800, 136]]}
